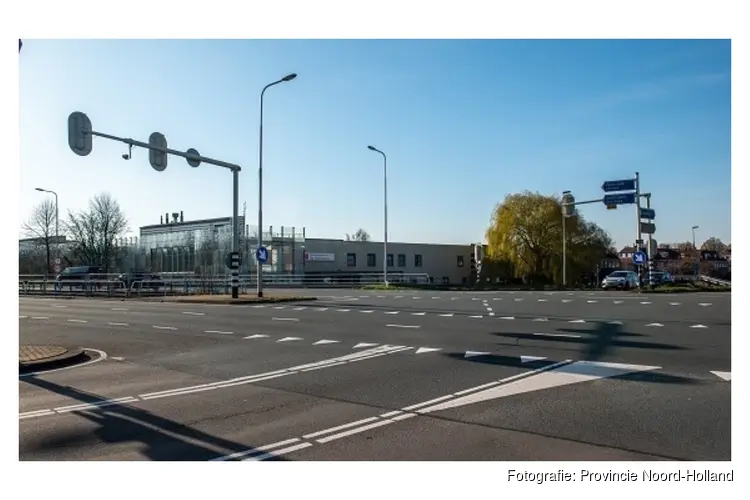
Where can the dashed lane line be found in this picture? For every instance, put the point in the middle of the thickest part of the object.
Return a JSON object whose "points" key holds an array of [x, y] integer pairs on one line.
{"points": [[163, 327], [191, 313], [220, 332], [296, 320], [77, 321], [113, 323], [391, 325]]}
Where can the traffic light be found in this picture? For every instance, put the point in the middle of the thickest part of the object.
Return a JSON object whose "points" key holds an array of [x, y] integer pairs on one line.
{"points": [[157, 158], [568, 206]]}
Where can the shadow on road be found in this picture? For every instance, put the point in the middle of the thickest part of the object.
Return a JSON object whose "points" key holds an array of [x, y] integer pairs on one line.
{"points": [[162, 439]]}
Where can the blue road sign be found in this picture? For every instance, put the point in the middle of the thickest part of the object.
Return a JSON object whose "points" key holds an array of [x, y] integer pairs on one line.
{"points": [[640, 257], [261, 254], [619, 199], [648, 213], [621, 185]]}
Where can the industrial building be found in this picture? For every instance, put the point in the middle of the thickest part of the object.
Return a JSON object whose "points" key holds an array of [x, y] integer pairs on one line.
{"points": [[176, 245]]}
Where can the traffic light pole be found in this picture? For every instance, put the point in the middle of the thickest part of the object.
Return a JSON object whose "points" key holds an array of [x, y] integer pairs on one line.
{"points": [[80, 134]]}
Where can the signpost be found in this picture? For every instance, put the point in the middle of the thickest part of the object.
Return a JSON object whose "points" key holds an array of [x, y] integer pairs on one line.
{"points": [[648, 228], [621, 185], [80, 140], [648, 213], [619, 199]]}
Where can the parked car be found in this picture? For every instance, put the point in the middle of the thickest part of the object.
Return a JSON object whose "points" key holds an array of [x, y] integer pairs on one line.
{"points": [[620, 280], [661, 278]]}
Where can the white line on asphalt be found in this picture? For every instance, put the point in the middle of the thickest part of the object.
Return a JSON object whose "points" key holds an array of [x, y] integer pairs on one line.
{"points": [[435, 298], [40, 317], [98, 404], [614, 322], [398, 297], [219, 332], [353, 431], [539, 319], [287, 339], [390, 414], [497, 298], [256, 336], [542, 300], [193, 313], [22, 317], [403, 326], [258, 306], [119, 308], [163, 327], [577, 321], [476, 317], [325, 341], [391, 312], [117, 358], [654, 324], [518, 300], [567, 300], [724, 375], [343, 310], [698, 326], [507, 317], [117, 324], [366, 312], [418, 314], [298, 308], [283, 451], [491, 314], [674, 303], [260, 449], [340, 427], [38, 413], [447, 315], [564, 335], [285, 319], [102, 357], [704, 304], [416, 298], [321, 309], [77, 321], [645, 302], [592, 301], [59, 307], [423, 350], [280, 307], [363, 344]]}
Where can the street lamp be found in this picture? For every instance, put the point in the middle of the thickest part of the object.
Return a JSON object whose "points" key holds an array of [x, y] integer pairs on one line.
{"points": [[287, 78], [57, 220], [385, 213], [694, 228]]}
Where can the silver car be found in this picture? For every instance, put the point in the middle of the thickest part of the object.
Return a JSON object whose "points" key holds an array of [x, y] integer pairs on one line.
{"points": [[620, 280]]}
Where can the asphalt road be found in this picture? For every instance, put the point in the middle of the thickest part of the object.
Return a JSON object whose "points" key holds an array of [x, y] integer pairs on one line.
{"points": [[384, 376]]}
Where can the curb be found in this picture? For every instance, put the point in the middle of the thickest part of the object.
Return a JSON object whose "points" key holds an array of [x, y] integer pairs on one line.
{"points": [[269, 300], [71, 356]]}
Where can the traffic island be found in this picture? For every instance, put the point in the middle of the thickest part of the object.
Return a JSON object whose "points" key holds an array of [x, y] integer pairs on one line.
{"points": [[227, 299], [32, 358]]}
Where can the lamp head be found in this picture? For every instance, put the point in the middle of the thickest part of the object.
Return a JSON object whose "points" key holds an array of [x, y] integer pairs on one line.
{"points": [[289, 77], [39, 189], [371, 148]]}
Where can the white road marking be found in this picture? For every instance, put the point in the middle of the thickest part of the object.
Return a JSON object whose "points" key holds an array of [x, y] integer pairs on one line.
{"points": [[539, 319], [92, 406], [698, 326], [617, 301], [363, 344], [381, 296], [724, 375], [577, 321], [471, 354], [518, 300], [704, 304], [645, 302], [403, 326], [117, 358], [422, 350], [447, 315], [285, 319], [416, 298], [476, 317], [507, 317], [191, 313], [475, 298], [219, 332], [592, 301], [322, 309], [529, 359], [541, 300], [256, 336], [343, 310], [564, 335], [288, 339], [258, 306], [298, 308], [654, 324], [279, 307], [674, 303], [398, 297], [366, 312], [325, 341], [567, 300], [353, 431], [163, 327], [273, 454], [391, 312], [435, 298], [615, 322], [418, 314], [77, 321], [260, 449], [119, 308], [497, 298], [40, 317], [117, 324], [59, 307], [573, 373], [22, 317], [340, 427]]}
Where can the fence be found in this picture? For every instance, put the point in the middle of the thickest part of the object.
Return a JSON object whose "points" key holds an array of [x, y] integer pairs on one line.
{"points": [[115, 285]]}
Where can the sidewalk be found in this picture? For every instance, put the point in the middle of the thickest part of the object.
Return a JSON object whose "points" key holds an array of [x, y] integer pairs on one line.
{"points": [[45, 356]]}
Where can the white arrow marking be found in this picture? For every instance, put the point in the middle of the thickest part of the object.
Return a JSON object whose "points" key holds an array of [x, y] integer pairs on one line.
{"points": [[529, 359], [256, 336], [471, 354], [724, 375], [324, 341], [287, 339], [580, 371], [674, 303], [363, 344], [539, 319], [615, 322], [418, 314], [704, 304], [577, 321], [654, 324], [699, 326], [427, 349], [617, 301]]}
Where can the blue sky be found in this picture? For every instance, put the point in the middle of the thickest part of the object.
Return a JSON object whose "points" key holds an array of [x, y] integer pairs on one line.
{"points": [[463, 124]]}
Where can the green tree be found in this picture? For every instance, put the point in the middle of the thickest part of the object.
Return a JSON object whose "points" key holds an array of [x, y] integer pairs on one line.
{"points": [[526, 231]]}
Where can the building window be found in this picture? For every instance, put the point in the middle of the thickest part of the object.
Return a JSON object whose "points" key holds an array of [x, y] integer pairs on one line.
{"points": [[351, 260], [417, 260], [460, 260], [370, 260], [402, 260], [390, 260]]}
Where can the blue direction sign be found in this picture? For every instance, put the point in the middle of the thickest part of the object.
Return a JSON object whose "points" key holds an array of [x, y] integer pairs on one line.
{"points": [[621, 185], [640, 257], [648, 213], [619, 199], [261, 254]]}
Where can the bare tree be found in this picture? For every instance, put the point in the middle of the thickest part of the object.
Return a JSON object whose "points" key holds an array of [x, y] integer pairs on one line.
{"points": [[714, 245], [95, 231], [41, 226], [360, 235]]}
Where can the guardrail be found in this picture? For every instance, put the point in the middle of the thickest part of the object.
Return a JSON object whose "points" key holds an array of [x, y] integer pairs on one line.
{"points": [[714, 281], [113, 286]]}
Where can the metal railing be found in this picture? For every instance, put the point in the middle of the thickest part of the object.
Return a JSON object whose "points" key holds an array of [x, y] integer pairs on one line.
{"points": [[714, 281], [112, 285]]}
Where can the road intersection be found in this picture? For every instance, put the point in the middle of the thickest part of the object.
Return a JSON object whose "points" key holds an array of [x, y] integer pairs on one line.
{"points": [[338, 378]]}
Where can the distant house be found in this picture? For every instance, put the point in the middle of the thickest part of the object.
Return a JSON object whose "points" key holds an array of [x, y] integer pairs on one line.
{"points": [[627, 254]]}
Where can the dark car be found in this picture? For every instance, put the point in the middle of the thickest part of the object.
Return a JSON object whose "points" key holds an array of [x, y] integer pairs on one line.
{"points": [[661, 278], [76, 277], [139, 280]]}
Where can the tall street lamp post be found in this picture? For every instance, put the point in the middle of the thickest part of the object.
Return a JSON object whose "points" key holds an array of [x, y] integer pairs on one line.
{"points": [[385, 213]]}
